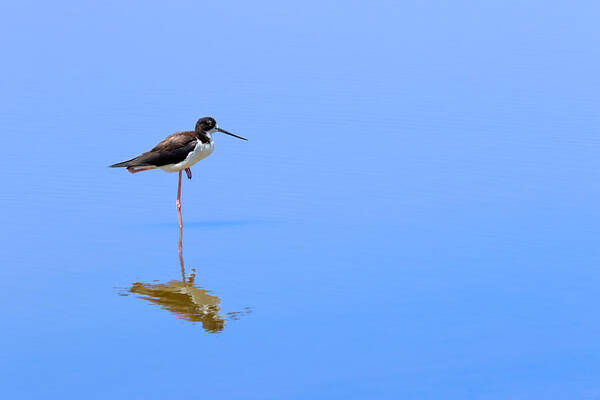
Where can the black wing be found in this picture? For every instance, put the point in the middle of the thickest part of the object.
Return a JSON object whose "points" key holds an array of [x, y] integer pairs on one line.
{"points": [[172, 150]]}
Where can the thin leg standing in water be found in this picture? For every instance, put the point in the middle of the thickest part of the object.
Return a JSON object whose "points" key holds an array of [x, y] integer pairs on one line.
{"points": [[178, 202]]}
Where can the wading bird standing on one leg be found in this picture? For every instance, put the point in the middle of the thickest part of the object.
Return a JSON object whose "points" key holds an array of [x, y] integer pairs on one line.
{"points": [[178, 152]]}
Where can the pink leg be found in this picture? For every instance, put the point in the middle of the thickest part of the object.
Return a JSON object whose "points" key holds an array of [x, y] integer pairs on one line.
{"points": [[179, 200], [188, 173], [135, 170]]}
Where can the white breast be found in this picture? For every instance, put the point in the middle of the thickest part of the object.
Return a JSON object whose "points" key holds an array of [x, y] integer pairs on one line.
{"points": [[201, 151]]}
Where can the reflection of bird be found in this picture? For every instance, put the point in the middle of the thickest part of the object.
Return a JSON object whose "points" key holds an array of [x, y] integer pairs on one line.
{"points": [[187, 300], [190, 302], [178, 152]]}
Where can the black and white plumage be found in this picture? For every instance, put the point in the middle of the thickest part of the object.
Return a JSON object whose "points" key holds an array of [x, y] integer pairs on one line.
{"points": [[178, 151]]}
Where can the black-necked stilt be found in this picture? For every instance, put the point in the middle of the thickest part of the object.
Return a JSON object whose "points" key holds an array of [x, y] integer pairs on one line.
{"points": [[178, 152]]}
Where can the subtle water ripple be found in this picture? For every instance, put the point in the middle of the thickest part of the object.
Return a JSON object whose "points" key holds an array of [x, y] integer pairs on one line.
{"points": [[415, 214]]}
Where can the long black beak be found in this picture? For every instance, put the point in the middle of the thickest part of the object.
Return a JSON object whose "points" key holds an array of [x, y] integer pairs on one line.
{"points": [[230, 134]]}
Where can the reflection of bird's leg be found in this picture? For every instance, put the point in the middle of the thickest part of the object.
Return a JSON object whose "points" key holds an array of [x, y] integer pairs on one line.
{"points": [[181, 254], [178, 202], [188, 172]]}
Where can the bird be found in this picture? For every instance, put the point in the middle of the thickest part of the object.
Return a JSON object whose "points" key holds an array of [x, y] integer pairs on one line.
{"points": [[178, 152]]}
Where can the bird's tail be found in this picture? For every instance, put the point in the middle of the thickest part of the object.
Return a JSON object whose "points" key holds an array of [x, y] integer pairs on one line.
{"points": [[139, 163], [127, 163], [134, 165], [134, 162]]}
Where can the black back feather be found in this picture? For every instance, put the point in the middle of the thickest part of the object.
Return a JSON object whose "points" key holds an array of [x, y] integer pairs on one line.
{"points": [[172, 150]]}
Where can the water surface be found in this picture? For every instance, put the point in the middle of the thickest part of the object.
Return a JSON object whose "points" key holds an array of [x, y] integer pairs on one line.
{"points": [[415, 214]]}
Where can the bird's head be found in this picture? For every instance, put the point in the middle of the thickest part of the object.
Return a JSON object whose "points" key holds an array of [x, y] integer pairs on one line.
{"points": [[209, 126]]}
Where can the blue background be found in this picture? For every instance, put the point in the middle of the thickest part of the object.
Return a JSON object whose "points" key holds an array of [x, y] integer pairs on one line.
{"points": [[415, 215]]}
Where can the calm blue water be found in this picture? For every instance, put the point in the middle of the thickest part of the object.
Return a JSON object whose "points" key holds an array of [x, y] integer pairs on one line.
{"points": [[415, 216]]}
